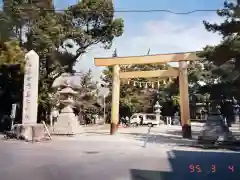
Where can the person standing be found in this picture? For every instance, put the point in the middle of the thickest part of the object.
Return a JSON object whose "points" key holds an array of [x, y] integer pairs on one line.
{"points": [[227, 111], [168, 110], [235, 110], [141, 120], [126, 119], [53, 117]]}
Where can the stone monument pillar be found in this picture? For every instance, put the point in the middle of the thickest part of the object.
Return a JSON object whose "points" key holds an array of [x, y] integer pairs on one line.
{"points": [[67, 123], [30, 94], [29, 129]]}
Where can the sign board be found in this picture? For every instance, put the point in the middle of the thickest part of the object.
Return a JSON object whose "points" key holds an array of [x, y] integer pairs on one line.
{"points": [[13, 111], [30, 94]]}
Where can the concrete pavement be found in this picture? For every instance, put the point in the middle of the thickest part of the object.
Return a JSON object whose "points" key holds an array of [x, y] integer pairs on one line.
{"points": [[97, 155]]}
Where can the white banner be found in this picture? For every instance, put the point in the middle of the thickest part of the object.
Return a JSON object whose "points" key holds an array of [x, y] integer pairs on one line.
{"points": [[30, 94]]}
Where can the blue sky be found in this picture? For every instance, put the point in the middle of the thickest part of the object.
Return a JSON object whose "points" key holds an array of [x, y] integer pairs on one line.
{"points": [[161, 32], [137, 19]]}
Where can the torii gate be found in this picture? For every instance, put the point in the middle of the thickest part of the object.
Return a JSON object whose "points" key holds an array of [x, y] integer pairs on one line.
{"points": [[181, 58]]}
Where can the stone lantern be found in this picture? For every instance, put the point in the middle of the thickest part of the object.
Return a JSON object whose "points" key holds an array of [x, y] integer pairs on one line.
{"points": [[67, 123], [157, 110]]}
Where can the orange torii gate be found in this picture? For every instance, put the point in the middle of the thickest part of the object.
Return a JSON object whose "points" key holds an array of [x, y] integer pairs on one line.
{"points": [[181, 72]]}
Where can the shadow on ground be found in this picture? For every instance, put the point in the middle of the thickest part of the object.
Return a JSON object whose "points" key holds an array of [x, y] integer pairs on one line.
{"points": [[89, 133], [194, 165], [196, 133], [171, 136], [179, 133], [160, 139]]}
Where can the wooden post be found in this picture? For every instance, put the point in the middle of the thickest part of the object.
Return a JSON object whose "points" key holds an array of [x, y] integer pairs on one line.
{"points": [[184, 100], [46, 128], [115, 99]]}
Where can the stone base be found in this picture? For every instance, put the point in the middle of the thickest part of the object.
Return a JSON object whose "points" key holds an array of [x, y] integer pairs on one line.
{"points": [[29, 132], [215, 131], [113, 129], [67, 123], [186, 131]]}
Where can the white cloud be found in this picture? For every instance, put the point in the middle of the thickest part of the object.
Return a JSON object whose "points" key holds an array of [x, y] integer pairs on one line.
{"points": [[172, 34]]}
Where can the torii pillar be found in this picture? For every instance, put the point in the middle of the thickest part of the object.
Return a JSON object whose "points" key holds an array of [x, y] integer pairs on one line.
{"points": [[115, 99], [184, 100], [182, 58]]}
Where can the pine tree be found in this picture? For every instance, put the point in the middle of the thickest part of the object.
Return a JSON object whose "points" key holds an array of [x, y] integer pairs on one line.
{"points": [[38, 26], [87, 98], [226, 55], [228, 49]]}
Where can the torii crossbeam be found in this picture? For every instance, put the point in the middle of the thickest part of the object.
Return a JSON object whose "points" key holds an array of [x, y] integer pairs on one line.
{"points": [[181, 58]]}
